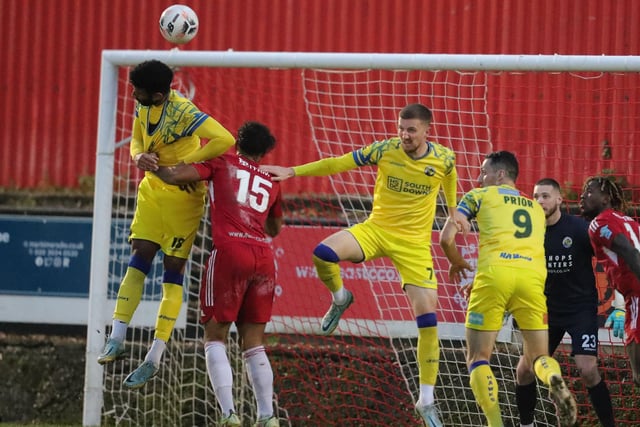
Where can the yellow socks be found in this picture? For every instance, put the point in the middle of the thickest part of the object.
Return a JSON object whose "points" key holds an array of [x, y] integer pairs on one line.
{"points": [[168, 310], [329, 273], [546, 367], [428, 354], [485, 389], [129, 294]]}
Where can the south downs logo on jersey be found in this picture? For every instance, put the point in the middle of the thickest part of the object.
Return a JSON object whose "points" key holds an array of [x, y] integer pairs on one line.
{"points": [[398, 184]]}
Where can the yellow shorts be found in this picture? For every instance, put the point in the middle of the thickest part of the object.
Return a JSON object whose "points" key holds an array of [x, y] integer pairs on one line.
{"points": [[168, 216], [498, 289], [412, 259]]}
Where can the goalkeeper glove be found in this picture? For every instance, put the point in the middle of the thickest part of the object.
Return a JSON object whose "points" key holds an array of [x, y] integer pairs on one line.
{"points": [[615, 321]]}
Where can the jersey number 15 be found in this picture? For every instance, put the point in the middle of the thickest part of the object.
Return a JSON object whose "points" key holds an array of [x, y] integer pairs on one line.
{"points": [[253, 190]]}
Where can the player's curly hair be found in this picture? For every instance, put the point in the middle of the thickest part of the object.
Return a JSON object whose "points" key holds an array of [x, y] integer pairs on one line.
{"points": [[255, 139], [609, 186], [152, 76]]}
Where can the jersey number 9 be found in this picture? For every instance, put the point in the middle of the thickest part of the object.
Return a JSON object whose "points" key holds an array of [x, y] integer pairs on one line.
{"points": [[522, 220]]}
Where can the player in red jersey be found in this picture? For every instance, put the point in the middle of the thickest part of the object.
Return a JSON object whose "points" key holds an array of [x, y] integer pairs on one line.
{"points": [[615, 238], [239, 279]]}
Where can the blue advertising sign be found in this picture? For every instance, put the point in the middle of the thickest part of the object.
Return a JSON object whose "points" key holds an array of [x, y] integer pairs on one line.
{"points": [[45, 255], [119, 254], [51, 256]]}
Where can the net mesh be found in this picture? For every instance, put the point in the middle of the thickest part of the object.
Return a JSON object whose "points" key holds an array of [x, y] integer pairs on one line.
{"points": [[563, 125]]}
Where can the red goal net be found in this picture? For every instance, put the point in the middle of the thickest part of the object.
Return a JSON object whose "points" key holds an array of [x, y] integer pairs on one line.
{"points": [[562, 125]]}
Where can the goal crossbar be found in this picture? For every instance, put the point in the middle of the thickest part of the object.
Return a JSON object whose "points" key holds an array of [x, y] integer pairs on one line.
{"points": [[387, 61]]}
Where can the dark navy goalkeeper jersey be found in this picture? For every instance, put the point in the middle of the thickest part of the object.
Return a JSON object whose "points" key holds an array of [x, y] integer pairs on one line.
{"points": [[571, 284]]}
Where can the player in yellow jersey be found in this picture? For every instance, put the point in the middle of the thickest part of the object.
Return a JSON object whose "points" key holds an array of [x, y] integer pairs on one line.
{"points": [[411, 171], [511, 276], [167, 130]]}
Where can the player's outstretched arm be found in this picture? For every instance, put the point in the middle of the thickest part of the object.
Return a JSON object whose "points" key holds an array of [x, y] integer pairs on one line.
{"points": [[219, 140], [278, 173], [322, 167], [178, 175]]}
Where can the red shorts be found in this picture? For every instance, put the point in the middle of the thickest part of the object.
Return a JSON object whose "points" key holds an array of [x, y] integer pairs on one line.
{"points": [[238, 284], [631, 321]]}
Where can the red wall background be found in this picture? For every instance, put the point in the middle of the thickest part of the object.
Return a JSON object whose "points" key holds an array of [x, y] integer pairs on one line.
{"points": [[51, 64]]}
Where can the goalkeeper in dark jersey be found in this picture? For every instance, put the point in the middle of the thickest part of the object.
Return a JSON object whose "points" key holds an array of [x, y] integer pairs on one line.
{"points": [[572, 304]]}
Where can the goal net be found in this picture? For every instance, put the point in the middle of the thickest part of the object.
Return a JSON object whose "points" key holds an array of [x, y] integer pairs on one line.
{"points": [[564, 117]]}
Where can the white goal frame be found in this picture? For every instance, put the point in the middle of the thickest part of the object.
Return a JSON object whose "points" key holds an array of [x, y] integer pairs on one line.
{"points": [[99, 313]]}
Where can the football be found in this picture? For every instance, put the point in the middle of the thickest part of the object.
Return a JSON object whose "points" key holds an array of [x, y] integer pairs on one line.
{"points": [[178, 24]]}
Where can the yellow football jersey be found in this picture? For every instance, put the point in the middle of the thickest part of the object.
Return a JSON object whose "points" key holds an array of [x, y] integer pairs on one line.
{"points": [[511, 225], [406, 190], [168, 129]]}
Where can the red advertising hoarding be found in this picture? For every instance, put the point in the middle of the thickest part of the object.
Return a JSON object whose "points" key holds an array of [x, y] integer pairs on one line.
{"points": [[375, 285]]}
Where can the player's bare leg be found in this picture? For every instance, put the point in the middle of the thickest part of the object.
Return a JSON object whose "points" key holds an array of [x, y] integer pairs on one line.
{"points": [[633, 351], [596, 387], [547, 369]]}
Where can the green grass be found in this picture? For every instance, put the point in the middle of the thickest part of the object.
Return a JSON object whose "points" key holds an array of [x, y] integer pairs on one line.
{"points": [[38, 425]]}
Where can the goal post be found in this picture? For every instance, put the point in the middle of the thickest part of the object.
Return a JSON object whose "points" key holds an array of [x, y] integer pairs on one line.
{"points": [[366, 373], [97, 316]]}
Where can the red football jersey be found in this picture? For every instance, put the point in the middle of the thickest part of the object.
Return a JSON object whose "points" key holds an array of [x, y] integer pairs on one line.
{"points": [[602, 230], [242, 198]]}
